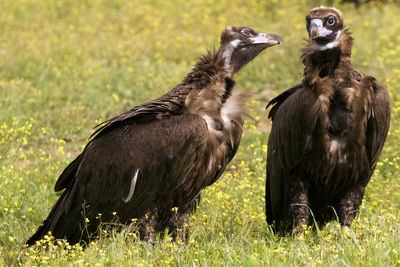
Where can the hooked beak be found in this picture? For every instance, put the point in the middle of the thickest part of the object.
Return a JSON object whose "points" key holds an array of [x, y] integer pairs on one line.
{"points": [[317, 30], [266, 38]]}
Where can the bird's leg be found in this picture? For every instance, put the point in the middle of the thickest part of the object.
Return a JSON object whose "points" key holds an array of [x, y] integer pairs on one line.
{"points": [[182, 230], [148, 226], [179, 225], [348, 205], [299, 210]]}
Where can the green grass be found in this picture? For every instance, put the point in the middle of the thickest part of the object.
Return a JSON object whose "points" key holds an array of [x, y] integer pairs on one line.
{"points": [[66, 65]]}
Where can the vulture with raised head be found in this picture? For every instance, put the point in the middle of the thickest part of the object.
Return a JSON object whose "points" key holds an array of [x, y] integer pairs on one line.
{"points": [[327, 132], [152, 162]]}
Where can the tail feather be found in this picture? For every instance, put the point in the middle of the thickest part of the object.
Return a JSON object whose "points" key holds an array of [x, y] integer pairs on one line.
{"points": [[46, 226], [60, 224], [65, 219]]}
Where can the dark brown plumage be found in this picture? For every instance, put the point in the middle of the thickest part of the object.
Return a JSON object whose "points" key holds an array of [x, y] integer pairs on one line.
{"points": [[159, 155], [327, 132]]}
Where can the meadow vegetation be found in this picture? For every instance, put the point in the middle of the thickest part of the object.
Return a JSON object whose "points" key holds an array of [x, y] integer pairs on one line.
{"points": [[67, 65]]}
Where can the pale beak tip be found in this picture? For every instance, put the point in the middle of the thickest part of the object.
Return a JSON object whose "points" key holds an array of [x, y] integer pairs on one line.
{"points": [[276, 40]]}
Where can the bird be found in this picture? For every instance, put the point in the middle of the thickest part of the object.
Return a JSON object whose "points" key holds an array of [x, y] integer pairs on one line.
{"points": [[327, 133], [148, 166]]}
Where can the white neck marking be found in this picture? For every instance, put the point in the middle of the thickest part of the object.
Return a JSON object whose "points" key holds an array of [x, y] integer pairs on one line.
{"points": [[228, 54], [332, 44]]}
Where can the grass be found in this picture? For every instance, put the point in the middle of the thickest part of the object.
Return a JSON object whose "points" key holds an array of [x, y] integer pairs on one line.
{"points": [[67, 65]]}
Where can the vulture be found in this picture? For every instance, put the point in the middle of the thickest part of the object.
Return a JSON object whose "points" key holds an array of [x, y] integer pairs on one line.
{"points": [[149, 165], [327, 132]]}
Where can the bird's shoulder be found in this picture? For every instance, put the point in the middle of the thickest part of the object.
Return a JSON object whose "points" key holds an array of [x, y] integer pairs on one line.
{"points": [[292, 101], [381, 95], [380, 99], [170, 104]]}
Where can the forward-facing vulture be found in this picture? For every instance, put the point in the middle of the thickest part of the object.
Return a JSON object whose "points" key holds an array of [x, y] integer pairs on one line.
{"points": [[327, 132], [152, 162]]}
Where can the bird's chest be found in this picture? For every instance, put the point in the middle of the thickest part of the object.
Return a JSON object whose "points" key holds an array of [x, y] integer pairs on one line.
{"points": [[342, 134], [224, 124], [338, 132], [225, 130], [340, 119], [337, 117]]}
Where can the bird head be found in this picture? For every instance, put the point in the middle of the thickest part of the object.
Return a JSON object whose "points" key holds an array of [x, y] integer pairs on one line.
{"points": [[324, 26], [239, 45]]}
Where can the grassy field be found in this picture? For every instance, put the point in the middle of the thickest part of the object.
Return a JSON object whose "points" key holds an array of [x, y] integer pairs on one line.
{"points": [[67, 65]]}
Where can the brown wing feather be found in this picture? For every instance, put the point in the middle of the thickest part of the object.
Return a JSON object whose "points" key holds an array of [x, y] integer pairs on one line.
{"points": [[169, 104], [378, 124], [278, 100], [294, 122], [170, 155]]}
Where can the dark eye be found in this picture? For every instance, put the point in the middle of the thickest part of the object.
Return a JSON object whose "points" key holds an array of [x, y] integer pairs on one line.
{"points": [[246, 32], [331, 21]]}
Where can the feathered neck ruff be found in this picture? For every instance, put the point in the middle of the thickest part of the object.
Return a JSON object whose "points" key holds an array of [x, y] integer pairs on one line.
{"points": [[208, 69], [320, 63]]}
